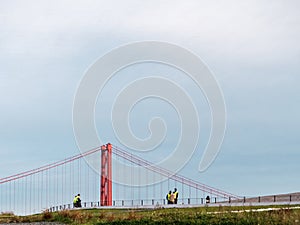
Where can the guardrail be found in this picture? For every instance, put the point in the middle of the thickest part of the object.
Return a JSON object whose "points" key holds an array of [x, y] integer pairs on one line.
{"points": [[142, 202], [272, 199]]}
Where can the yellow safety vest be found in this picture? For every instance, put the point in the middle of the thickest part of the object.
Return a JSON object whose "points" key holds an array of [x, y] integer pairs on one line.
{"points": [[176, 194], [75, 199], [169, 196]]}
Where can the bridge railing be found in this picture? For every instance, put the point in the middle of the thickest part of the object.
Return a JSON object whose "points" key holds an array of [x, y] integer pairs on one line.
{"points": [[272, 199], [140, 203]]}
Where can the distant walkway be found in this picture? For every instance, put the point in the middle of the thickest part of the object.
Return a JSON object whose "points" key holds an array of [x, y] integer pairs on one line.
{"points": [[293, 205], [256, 210]]}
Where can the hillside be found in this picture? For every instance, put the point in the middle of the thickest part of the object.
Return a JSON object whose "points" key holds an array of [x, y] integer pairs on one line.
{"points": [[202, 215]]}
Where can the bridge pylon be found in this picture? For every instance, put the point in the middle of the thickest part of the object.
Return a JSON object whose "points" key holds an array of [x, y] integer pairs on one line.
{"points": [[106, 175]]}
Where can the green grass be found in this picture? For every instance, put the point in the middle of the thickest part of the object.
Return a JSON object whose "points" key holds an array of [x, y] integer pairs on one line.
{"points": [[203, 215]]}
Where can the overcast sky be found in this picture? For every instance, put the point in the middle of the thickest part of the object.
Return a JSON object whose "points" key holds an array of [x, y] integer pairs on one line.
{"points": [[252, 48]]}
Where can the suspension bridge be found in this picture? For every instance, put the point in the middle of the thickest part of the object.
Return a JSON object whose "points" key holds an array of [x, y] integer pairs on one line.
{"points": [[53, 186]]}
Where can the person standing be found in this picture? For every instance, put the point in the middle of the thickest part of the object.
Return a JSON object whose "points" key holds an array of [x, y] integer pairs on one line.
{"points": [[172, 198], [175, 195], [77, 201], [168, 197], [207, 199]]}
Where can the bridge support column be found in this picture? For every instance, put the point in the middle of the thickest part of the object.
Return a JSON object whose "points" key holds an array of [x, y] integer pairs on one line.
{"points": [[106, 175]]}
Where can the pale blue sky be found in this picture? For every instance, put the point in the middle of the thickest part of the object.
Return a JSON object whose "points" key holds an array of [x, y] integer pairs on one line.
{"points": [[252, 47]]}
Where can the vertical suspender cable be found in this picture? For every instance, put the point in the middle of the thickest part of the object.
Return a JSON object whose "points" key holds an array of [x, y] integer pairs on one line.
{"points": [[131, 175], [197, 193], [182, 186], [190, 192], [154, 185], [70, 177], [5, 197], [73, 178], [88, 181], [47, 190], [62, 184], [79, 175], [33, 200], [10, 195], [14, 195], [25, 195], [57, 188], [93, 185], [139, 183], [123, 185], [30, 193], [147, 186], [161, 186], [34, 192], [65, 183], [116, 186], [38, 191], [42, 189]]}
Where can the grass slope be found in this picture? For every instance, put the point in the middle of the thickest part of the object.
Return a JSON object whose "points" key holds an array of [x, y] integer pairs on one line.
{"points": [[203, 215]]}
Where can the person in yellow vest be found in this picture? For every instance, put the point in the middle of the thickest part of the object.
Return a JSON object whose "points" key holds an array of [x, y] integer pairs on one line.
{"points": [[175, 195], [172, 198], [168, 197], [77, 201]]}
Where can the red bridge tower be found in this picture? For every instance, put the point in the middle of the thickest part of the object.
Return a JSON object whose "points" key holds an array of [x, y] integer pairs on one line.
{"points": [[106, 175]]}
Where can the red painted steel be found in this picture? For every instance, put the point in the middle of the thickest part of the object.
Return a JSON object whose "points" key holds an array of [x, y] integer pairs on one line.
{"points": [[176, 177], [47, 167], [106, 172], [106, 175], [109, 150]]}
